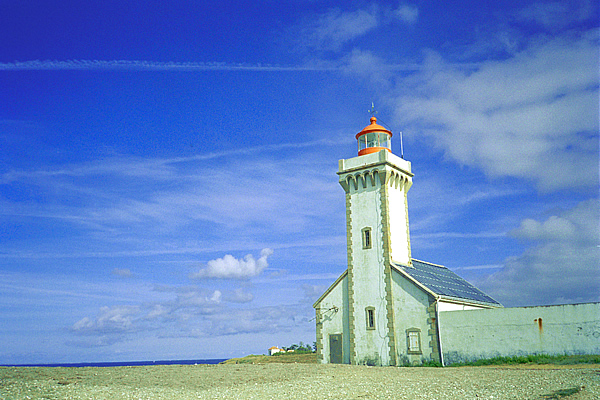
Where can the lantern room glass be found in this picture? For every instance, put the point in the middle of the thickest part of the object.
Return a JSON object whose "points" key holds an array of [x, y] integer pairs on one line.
{"points": [[374, 139]]}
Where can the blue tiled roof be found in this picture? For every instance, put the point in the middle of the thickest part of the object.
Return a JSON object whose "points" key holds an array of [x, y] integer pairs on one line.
{"points": [[444, 282]]}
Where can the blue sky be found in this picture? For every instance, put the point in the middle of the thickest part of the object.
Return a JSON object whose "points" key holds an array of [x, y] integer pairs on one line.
{"points": [[167, 169]]}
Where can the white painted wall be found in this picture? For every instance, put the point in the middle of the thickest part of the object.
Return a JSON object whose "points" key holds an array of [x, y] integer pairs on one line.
{"points": [[334, 322], [410, 311], [399, 239], [368, 274], [503, 332]]}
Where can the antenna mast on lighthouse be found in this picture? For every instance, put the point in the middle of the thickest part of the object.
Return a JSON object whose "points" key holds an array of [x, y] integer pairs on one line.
{"points": [[372, 111]]}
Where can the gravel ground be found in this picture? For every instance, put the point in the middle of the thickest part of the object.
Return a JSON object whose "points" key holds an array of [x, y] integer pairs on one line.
{"points": [[300, 381]]}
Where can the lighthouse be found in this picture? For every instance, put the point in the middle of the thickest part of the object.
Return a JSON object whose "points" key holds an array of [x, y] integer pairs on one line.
{"points": [[375, 183], [382, 310]]}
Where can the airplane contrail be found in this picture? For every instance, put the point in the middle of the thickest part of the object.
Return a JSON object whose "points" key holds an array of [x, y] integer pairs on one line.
{"points": [[140, 65]]}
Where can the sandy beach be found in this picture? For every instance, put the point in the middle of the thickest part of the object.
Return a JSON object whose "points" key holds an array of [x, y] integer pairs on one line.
{"points": [[300, 381]]}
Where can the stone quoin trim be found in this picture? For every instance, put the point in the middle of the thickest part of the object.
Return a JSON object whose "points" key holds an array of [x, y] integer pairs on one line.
{"points": [[319, 335], [351, 319]]}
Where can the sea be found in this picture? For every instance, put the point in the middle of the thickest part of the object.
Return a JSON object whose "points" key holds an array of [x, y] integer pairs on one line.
{"points": [[122, 363]]}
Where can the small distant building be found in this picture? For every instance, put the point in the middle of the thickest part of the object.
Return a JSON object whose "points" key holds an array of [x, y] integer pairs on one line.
{"points": [[275, 350], [388, 308]]}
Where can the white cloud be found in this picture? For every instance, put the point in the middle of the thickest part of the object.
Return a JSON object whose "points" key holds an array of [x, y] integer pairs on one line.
{"points": [[238, 321], [231, 267], [556, 228], [158, 311], [562, 267], [533, 116], [364, 64], [118, 319], [335, 28], [195, 298], [122, 272], [239, 296], [407, 13], [192, 309], [313, 292], [216, 297]]}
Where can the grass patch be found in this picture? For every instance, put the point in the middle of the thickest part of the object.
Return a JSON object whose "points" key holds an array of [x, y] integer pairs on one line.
{"points": [[300, 358], [430, 364], [559, 394], [311, 358], [534, 359]]}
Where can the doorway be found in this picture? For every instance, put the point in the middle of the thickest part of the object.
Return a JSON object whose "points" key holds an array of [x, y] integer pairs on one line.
{"points": [[335, 349]]}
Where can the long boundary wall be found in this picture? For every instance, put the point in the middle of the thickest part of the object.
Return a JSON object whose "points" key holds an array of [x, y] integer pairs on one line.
{"points": [[468, 335]]}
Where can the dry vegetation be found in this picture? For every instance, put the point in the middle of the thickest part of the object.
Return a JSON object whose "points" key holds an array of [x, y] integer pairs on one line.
{"points": [[300, 358]]}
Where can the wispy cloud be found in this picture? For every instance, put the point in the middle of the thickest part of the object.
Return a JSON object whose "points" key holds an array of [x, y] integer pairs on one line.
{"points": [[144, 65], [333, 29], [556, 14], [459, 235], [407, 13], [174, 191], [33, 285], [478, 267], [154, 168], [122, 272], [440, 200]]}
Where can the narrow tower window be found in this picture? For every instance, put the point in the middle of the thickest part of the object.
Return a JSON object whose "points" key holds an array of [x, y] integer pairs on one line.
{"points": [[366, 238], [370, 314]]}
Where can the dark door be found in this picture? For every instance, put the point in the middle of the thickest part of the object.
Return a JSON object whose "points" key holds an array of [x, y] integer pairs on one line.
{"points": [[335, 349]]}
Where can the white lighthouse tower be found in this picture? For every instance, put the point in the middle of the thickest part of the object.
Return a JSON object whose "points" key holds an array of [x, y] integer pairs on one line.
{"points": [[376, 183]]}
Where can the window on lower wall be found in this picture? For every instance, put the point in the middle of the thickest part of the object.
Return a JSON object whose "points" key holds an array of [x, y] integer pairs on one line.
{"points": [[370, 315], [413, 340]]}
